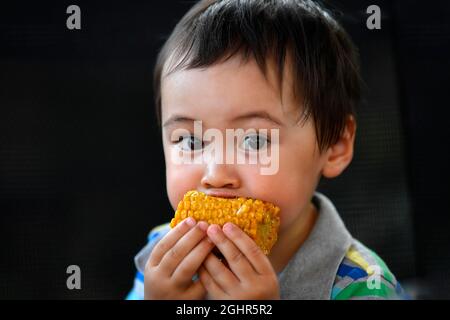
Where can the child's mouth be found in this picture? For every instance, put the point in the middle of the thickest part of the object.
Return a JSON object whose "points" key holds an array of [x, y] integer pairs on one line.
{"points": [[221, 194]]}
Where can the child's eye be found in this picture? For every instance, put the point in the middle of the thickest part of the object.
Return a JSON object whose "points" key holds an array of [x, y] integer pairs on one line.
{"points": [[190, 143], [255, 142]]}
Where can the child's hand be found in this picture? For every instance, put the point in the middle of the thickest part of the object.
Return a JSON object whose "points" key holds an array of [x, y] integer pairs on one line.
{"points": [[250, 274], [174, 260]]}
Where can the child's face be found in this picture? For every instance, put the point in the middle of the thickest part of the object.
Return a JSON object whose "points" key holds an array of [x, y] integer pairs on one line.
{"points": [[232, 95]]}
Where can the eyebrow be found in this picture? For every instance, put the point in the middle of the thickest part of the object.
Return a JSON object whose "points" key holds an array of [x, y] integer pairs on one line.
{"points": [[258, 115], [247, 116], [177, 119]]}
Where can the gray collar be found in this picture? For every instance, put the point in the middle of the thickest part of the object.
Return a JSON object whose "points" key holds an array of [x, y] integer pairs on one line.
{"points": [[311, 272]]}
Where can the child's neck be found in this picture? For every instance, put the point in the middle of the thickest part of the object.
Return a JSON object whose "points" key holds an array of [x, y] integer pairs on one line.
{"points": [[292, 238]]}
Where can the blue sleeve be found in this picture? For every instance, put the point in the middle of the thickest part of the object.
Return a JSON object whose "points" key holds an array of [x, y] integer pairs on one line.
{"points": [[156, 234], [137, 292]]}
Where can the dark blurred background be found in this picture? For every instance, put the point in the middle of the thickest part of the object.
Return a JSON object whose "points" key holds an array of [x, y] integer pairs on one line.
{"points": [[81, 164]]}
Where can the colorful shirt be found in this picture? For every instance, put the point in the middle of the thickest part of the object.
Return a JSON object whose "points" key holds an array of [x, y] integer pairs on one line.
{"points": [[330, 264]]}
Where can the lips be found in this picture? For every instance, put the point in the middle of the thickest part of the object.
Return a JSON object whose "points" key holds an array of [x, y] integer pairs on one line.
{"points": [[221, 194]]}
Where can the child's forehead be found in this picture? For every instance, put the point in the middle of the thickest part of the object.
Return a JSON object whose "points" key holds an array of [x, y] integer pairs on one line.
{"points": [[237, 64], [227, 88]]}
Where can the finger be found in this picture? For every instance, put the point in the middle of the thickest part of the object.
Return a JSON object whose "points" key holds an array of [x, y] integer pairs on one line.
{"points": [[210, 285], [192, 262], [169, 240], [238, 263], [180, 250], [221, 274], [249, 248]]}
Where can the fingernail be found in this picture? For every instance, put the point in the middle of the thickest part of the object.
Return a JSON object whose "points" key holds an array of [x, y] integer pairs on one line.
{"points": [[228, 228], [203, 225], [213, 229], [190, 222]]}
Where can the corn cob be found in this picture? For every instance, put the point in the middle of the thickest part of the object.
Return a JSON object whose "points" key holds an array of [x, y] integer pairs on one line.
{"points": [[259, 219]]}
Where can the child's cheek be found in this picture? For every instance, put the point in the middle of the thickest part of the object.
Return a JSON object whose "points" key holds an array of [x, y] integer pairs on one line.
{"points": [[291, 199], [284, 189], [180, 179]]}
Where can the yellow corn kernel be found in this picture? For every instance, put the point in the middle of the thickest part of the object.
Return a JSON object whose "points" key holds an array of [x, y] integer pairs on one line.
{"points": [[259, 219]]}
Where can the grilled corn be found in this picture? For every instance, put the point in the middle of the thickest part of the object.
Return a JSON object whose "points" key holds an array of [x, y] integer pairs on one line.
{"points": [[259, 219]]}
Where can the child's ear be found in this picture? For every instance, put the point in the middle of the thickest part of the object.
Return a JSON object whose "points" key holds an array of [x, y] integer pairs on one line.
{"points": [[339, 155]]}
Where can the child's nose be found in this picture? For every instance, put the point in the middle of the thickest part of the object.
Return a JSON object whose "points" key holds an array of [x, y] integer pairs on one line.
{"points": [[220, 176]]}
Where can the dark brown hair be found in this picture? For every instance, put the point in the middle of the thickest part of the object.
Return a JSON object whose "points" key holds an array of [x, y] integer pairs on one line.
{"points": [[325, 61]]}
